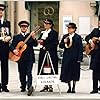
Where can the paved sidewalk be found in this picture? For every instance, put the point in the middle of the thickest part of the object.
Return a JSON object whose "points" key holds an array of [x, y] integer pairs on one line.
{"points": [[83, 87]]}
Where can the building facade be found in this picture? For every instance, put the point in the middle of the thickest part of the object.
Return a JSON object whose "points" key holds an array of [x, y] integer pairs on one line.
{"points": [[81, 12]]}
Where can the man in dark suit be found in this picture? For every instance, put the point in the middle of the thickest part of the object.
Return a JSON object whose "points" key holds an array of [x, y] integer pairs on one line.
{"points": [[95, 57], [49, 41], [25, 63], [5, 37]]}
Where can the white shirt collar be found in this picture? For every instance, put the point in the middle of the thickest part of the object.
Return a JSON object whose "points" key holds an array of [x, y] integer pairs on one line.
{"points": [[71, 35], [23, 34], [45, 34]]}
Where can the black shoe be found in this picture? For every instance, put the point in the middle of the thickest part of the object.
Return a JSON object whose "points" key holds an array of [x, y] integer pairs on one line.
{"points": [[45, 89], [30, 90], [23, 90], [50, 89], [69, 91], [5, 90], [73, 90], [92, 92]]}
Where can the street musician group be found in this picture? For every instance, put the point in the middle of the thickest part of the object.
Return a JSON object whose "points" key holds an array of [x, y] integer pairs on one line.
{"points": [[21, 51]]}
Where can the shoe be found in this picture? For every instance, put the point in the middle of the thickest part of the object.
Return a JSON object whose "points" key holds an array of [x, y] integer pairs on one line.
{"points": [[50, 89], [69, 91], [5, 90], [73, 90], [45, 89], [30, 90], [23, 90], [92, 92]]}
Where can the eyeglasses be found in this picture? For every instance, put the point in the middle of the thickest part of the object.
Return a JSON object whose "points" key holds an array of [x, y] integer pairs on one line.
{"points": [[1, 9], [47, 23], [69, 27], [23, 26]]}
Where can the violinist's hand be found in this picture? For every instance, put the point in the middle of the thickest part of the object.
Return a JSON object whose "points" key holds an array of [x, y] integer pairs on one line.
{"points": [[40, 41], [16, 52]]}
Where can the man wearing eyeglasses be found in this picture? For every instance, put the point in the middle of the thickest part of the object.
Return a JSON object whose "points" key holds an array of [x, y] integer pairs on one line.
{"points": [[5, 37], [25, 63]]}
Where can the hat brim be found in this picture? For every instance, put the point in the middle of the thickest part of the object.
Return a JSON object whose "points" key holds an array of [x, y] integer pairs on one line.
{"points": [[2, 5], [22, 22]]}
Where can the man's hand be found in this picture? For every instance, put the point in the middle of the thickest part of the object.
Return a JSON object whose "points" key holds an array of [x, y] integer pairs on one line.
{"points": [[16, 52], [7, 39], [92, 43], [65, 40], [33, 34]]}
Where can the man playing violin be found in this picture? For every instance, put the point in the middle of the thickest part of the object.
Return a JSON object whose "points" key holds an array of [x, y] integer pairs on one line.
{"points": [[95, 56], [25, 63]]}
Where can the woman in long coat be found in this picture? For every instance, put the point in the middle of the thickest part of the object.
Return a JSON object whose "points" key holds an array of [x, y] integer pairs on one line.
{"points": [[72, 56], [49, 40]]}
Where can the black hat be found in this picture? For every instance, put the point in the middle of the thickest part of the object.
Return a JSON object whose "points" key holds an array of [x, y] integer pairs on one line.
{"points": [[2, 5], [49, 21], [23, 23], [73, 25]]}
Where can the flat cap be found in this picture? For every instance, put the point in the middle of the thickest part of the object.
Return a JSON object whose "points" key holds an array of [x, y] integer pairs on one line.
{"points": [[2, 5], [49, 21], [23, 23]]}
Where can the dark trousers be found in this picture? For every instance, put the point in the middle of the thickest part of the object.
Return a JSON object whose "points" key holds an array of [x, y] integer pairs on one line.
{"points": [[96, 78], [25, 70], [4, 73]]}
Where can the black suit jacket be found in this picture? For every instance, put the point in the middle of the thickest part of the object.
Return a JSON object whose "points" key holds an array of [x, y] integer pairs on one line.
{"points": [[95, 57], [50, 44], [4, 46]]}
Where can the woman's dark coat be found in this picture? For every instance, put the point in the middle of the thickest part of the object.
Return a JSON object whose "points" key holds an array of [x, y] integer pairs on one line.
{"points": [[70, 69]]}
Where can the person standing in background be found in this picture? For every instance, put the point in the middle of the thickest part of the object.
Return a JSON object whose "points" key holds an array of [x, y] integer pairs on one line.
{"points": [[72, 56], [5, 37]]}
